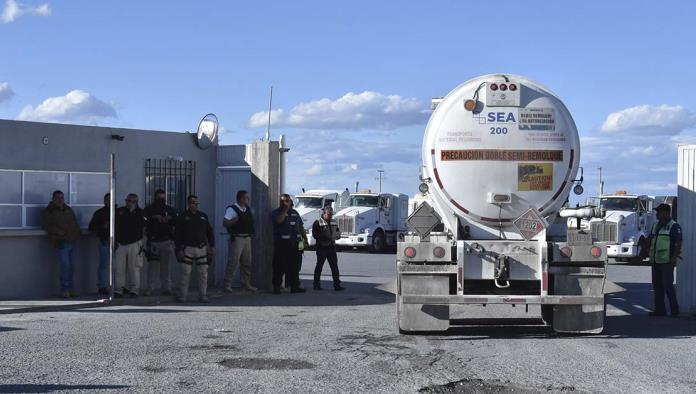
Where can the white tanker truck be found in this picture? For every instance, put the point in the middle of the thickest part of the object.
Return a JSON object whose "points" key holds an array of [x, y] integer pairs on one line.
{"points": [[500, 156]]}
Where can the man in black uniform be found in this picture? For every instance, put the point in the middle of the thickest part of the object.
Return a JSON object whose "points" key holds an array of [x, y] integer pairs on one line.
{"points": [[130, 252], [287, 231], [326, 232], [195, 242], [99, 225], [160, 238]]}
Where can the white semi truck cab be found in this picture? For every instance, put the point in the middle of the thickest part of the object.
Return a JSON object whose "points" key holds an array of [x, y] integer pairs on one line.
{"points": [[500, 155], [627, 221], [372, 220], [309, 205]]}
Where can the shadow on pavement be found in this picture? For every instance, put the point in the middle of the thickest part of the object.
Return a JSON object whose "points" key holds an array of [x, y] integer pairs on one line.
{"points": [[49, 388]]}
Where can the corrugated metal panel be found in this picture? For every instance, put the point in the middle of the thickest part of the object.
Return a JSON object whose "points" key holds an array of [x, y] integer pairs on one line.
{"points": [[686, 270]]}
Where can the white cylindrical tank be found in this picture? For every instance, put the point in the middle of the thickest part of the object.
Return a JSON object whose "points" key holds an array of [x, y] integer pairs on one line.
{"points": [[518, 148]]}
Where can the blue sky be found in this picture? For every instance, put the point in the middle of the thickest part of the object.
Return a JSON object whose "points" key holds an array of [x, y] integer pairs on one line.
{"points": [[626, 70]]}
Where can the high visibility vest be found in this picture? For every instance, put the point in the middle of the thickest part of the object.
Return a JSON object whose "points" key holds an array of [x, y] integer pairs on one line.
{"points": [[661, 242]]}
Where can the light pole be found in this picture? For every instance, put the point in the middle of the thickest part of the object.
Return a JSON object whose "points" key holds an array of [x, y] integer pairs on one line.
{"points": [[380, 180], [601, 182]]}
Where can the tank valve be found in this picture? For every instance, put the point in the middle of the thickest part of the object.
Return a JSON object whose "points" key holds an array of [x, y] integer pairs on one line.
{"points": [[502, 271]]}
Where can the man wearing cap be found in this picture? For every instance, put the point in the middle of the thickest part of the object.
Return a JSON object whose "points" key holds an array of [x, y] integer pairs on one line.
{"points": [[326, 232], [663, 246]]}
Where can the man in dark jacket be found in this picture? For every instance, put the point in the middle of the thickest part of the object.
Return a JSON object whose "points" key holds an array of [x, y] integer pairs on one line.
{"points": [[326, 232], [61, 225], [100, 225], [288, 229], [160, 238], [195, 245], [130, 252]]}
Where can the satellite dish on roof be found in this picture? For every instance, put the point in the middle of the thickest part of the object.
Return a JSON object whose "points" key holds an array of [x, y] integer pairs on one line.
{"points": [[207, 131]]}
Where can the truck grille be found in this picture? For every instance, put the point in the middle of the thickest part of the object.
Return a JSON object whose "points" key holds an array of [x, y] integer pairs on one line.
{"points": [[345, 224], [604, 231]]}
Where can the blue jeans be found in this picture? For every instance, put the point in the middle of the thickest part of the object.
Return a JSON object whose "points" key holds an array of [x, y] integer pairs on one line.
{"points": [[65, 256], [103, 271]]}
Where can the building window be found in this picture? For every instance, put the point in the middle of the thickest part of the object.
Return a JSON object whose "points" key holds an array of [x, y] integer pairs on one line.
{"points": [[176, 177], [25, 194]]}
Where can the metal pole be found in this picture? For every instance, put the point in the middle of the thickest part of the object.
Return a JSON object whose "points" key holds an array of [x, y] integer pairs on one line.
{"points": [[270, 106], [601, 182], [112, 216], [380, 180]]}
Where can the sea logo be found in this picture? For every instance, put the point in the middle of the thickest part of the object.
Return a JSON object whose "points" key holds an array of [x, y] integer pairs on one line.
{"points": [[495, 117]]}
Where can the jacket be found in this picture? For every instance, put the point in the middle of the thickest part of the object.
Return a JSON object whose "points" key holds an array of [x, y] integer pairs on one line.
{"points": [[60, 224]]}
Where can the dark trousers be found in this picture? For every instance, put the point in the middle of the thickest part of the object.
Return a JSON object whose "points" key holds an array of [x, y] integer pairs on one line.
{"points": [[324, 254], [662, 280], [286, 261]]}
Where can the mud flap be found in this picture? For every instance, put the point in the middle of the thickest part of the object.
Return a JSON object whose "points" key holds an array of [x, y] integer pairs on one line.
{"points": [[415, 318]]}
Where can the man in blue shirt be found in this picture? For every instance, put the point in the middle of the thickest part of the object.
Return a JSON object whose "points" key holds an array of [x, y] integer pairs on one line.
{"points": [[287, 224]]}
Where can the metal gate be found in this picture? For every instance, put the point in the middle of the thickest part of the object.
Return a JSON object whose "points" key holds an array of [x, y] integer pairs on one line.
{"points": [[228, 181]]}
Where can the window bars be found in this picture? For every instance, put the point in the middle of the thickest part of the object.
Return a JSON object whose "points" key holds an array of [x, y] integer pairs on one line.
{"points": [[176, 177]]}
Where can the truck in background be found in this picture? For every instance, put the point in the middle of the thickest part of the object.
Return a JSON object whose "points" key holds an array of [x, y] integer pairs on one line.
{"points": [[627, 222], [372, 220], [309, 205]]}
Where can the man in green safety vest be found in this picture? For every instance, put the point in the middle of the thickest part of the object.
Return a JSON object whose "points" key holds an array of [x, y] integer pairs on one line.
{"points": [[663, 246]]}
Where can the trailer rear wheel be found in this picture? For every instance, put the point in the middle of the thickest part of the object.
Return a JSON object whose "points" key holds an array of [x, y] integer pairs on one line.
{"points": [[547, 314]]}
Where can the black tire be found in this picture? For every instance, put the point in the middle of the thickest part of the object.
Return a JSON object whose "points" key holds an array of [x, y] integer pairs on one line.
{"points": [[547, 314], [379, 242]]}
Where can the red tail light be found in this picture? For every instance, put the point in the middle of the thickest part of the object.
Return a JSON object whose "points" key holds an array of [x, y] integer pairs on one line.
{"points": [[512, 87], [596, 251], [503, 87], [494, 86], [566, 251], [439, 252], [410, 252]]}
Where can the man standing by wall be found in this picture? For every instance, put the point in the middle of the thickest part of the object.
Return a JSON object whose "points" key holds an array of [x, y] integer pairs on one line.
{"points": [[99, 225], [195, 242], [286, 235], [239, 222], [326, 232], [664, 247], [59, 222], [130, 249], [160, 237]]}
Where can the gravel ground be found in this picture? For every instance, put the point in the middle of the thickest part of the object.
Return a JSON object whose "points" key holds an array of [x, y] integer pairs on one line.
{"points": [[344, 342]]}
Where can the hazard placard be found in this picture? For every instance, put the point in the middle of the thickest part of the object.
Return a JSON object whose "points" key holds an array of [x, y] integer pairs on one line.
{"points": [[529, 224]]}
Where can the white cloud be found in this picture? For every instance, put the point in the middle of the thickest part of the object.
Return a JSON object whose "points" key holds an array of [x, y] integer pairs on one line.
{"points": [[77, 106], [638, 151], [351, 167], [366, 110], [6, 91], [314, 170], [646, 119], [14, 10]]}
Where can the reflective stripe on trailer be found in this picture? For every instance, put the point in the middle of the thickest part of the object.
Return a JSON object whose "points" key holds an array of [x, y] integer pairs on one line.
{"points": [[477, 299], [496, 220]]}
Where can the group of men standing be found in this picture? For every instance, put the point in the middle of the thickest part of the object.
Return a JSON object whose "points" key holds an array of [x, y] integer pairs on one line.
{"points": [[290, 240], [157, 233]]}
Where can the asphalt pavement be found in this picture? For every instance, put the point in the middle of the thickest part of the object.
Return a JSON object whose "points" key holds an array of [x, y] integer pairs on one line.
{"points": [[344, 342]]}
